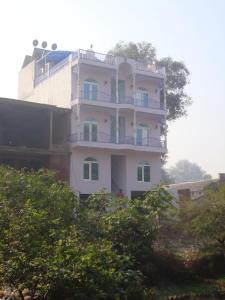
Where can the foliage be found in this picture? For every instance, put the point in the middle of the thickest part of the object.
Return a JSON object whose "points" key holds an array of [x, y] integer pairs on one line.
{"points": [[185, 171], [177, 74], [47, 246], [103, 248], [166, 177], [131, 226], [36, 214], [205, 219]]}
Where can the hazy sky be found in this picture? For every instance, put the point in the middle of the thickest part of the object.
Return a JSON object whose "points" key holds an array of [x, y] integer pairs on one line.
{"points": [[189, 30]]}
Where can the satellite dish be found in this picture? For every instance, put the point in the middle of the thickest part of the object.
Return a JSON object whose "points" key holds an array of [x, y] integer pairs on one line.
{"points": [[44, 44], [54, 46], [35, 43]]}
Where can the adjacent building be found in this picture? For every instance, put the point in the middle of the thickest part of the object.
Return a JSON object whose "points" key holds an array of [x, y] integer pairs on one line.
{"points": [[34, 136], [118, 113]]}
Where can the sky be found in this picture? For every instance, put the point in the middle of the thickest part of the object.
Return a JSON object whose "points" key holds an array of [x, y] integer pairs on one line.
{"points": [[192, 31]]}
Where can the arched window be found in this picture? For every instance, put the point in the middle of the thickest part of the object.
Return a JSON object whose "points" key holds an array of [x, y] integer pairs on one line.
{"points": [[90, 169], [143, 171], [142, 135], [142, 97], [91, 130], [90, 89]]}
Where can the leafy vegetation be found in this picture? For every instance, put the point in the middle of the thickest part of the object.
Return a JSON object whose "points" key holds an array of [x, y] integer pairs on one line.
{"points": [[55, 247]]}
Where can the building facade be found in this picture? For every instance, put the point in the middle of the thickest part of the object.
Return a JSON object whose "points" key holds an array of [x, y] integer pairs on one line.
{"points": [[118, 116]]}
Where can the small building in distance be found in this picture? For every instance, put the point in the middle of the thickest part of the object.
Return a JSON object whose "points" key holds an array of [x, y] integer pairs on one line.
{"points": [[192, 190], [34, 136]]}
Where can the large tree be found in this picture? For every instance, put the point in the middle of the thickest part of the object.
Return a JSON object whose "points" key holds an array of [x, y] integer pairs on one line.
{"points": [[177, 74], [204, 219], [185, 171]]}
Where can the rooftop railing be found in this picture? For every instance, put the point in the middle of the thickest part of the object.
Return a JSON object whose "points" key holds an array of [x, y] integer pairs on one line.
{"points": [[90, 55], [97, 57]]}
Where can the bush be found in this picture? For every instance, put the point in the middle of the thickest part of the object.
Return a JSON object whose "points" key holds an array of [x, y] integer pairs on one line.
{"points": [[207, 265]]}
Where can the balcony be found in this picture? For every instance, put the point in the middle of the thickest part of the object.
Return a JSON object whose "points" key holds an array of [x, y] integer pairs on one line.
{"points": [[102, 98], [105, 140]]}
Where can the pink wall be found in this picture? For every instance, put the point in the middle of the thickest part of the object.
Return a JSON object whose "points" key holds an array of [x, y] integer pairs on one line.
{"points": [[104, 158]]}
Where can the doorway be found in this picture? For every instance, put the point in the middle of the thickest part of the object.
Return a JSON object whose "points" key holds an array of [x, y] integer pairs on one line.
{"points": [[118, 173]]}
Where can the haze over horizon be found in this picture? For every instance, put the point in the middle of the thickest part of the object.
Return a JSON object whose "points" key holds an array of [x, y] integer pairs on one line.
{"points": [[190, 31]]}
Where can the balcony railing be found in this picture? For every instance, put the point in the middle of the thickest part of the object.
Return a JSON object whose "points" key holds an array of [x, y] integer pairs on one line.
{"points": [[104, 97], [103, 137], [99, 96]]}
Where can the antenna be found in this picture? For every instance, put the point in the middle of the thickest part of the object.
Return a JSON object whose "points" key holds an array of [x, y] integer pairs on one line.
{"points": [[54, 46], [44, 44], [35, 43]]}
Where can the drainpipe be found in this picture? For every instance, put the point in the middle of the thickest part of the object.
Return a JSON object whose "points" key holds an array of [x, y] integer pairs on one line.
{"points": [[117, 109], [164, 90], [78, 96], [134, 99], [50, 129]]}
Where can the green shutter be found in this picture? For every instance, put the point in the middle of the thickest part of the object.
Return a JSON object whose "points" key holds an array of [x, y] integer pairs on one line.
{"points": [[139, 173], [121, 90], [146, 173], [94, 171], [113, 90], [94, 133], [86, 171], [94, 92], [113, 129], [86, 132]]}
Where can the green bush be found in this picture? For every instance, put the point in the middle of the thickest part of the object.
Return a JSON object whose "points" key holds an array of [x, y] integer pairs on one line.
{"points": [[47, 247]]}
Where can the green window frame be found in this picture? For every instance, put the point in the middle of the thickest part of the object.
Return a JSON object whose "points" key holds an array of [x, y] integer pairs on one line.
{"points": [[143, 172], [90, 169]]}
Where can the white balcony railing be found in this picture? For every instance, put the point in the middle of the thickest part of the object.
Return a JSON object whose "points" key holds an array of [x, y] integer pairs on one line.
{"points": [[97, 57], [103, 137]]}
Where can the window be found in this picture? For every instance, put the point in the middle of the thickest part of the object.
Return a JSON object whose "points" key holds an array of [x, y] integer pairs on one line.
{"points": [[90, 169], [143, 171], [90, 130], [142, 98], [90, 89], [142, 135]]}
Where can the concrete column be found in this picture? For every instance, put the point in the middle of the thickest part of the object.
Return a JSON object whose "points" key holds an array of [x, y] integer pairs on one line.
{"points": [[135, 125], [117, 125], [78, 77], [164, 90], [78, 123], [50, 129], [134, 87], [117, 84]]}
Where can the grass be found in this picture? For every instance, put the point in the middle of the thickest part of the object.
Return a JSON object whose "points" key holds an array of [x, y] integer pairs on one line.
{"points": [[193, 290]]}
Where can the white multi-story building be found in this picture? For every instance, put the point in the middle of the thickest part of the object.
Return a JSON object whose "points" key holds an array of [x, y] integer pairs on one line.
{"points": [[118, 111]]}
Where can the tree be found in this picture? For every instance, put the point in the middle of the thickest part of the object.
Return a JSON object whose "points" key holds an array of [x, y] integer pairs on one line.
{"points": [[131, 226], [44, 250], [35, 216], [177, 74], [166, 177], [185, 171], [204, 219]]}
